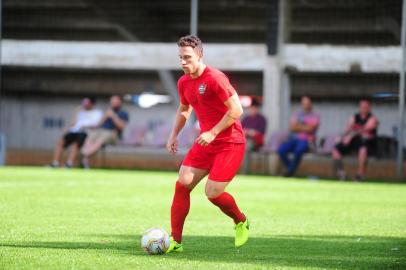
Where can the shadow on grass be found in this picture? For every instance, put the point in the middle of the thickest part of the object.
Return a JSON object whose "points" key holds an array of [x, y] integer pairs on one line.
{"points": [[338, 252]]}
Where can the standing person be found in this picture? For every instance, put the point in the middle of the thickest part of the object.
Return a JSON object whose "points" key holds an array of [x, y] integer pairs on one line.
{"points": [[303, 127], [219, 149], [108, 131], [85, 117], [360, 136], [254, 125]]}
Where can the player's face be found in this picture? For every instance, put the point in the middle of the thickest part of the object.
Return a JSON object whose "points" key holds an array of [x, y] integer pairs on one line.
{"points": [[364, 107], [189, 59], [86, 104], [253, 110], [115, 102], [306, 104]]}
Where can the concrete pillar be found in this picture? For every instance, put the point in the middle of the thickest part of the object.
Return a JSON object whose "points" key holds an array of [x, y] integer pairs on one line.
{"points": [[272, 102], [285, 100], [276, 86], [2, 149]]}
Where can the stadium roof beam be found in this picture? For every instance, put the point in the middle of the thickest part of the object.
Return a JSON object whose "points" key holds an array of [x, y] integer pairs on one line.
{"points": [[148, 56]]}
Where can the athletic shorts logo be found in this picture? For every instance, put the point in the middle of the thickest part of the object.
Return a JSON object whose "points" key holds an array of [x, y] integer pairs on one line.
{"points": [[202, 88]]}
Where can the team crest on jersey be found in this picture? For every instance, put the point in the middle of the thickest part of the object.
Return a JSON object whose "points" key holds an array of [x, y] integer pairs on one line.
{"points": [[202, 88]]}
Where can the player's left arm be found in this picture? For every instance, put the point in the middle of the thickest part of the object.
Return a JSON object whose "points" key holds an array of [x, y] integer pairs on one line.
{"points": [[371, 124], [312, 126], [233, 113], [120, 123]]}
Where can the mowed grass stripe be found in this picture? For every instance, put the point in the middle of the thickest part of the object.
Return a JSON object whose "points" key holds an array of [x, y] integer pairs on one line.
{"points": [[75, 219]]}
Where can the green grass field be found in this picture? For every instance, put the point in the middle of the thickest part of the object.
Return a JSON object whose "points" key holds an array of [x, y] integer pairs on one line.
{"points": [[75, 219]]}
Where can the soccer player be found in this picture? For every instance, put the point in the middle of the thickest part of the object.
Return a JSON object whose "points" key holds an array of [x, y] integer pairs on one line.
{"points": [[219, 149]]}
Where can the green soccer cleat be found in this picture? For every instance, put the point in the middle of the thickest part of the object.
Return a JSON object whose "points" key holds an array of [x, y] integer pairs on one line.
{"points": [[174, 247], [241, 233]]}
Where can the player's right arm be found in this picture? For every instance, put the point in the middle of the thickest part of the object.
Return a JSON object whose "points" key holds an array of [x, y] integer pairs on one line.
{"points": [[182, 115], [350, 125], [349, 131], [295, 126]]}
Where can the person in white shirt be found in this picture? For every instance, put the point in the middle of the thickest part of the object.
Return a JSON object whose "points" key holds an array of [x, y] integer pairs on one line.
{"points": [[85, 117]]}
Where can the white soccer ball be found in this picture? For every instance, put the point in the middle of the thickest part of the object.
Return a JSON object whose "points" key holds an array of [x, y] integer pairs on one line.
{"points": [[155, 241]]}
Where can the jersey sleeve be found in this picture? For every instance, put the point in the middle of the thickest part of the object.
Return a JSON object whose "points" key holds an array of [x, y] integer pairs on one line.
{"points": [[223, 88], [181, 92]]}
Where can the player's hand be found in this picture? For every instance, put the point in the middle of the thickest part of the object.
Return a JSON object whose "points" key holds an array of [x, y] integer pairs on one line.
{"points": [[172, 145], [347, 139], [109, 113], [251, 133], [205, 138]]}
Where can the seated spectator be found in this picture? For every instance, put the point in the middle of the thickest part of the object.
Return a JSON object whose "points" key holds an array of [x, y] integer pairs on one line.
{"points": [[303, 127], [254, 125], [359, 136], [109, 129], [85, 117]]}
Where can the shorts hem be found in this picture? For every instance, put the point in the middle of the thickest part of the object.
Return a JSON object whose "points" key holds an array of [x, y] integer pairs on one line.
{"points": [[220, 180], [195, 167]]}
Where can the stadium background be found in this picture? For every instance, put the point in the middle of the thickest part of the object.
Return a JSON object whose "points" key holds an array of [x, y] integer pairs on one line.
{"points": [[56, 52]]}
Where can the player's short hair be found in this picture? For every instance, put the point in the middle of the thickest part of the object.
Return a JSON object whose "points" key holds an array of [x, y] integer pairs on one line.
{"points": [[92, 99], [191, 41], [255, 103], [367, 100], [117, 96]]}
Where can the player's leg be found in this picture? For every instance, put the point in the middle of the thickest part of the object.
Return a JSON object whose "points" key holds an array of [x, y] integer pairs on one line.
{"points": [[301, 147], [61, 143], [189, 177], [92, 146], [57, 153], [337, 155], [96, 139], [225, 167], [76, 146], [284, 150], [74, 149], [215, 192], [362, 162], [88, 144]]}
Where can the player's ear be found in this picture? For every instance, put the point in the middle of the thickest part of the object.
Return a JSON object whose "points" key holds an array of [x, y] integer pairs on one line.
{"points": [[199, 54]]}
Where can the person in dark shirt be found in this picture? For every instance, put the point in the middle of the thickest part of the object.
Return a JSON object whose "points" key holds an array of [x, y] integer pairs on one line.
{"points": [[254, 125], [109, 130], [359, 136]]}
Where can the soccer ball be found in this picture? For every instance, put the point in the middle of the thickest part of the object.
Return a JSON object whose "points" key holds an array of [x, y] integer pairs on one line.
{"points": [[155, 241]]}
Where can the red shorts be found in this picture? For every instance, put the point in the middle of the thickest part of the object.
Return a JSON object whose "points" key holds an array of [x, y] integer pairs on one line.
{"points": [[222, 160]]}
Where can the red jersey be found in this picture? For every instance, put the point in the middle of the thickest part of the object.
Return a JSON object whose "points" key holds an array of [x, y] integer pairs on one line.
{"points": [[207, 94]]}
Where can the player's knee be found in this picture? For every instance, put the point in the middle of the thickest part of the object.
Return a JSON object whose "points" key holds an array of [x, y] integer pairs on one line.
{"points": [[213, 191], [185, 182], [336, 154], [281, 151], [363, 151], [61, 142]]}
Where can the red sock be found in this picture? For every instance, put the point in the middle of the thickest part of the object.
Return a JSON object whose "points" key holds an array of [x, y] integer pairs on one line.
{"points": [[179, 210], [227, 204]]}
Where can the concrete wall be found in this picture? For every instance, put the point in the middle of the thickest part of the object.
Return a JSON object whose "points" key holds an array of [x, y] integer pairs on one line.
{"points": [[149, 56]]}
